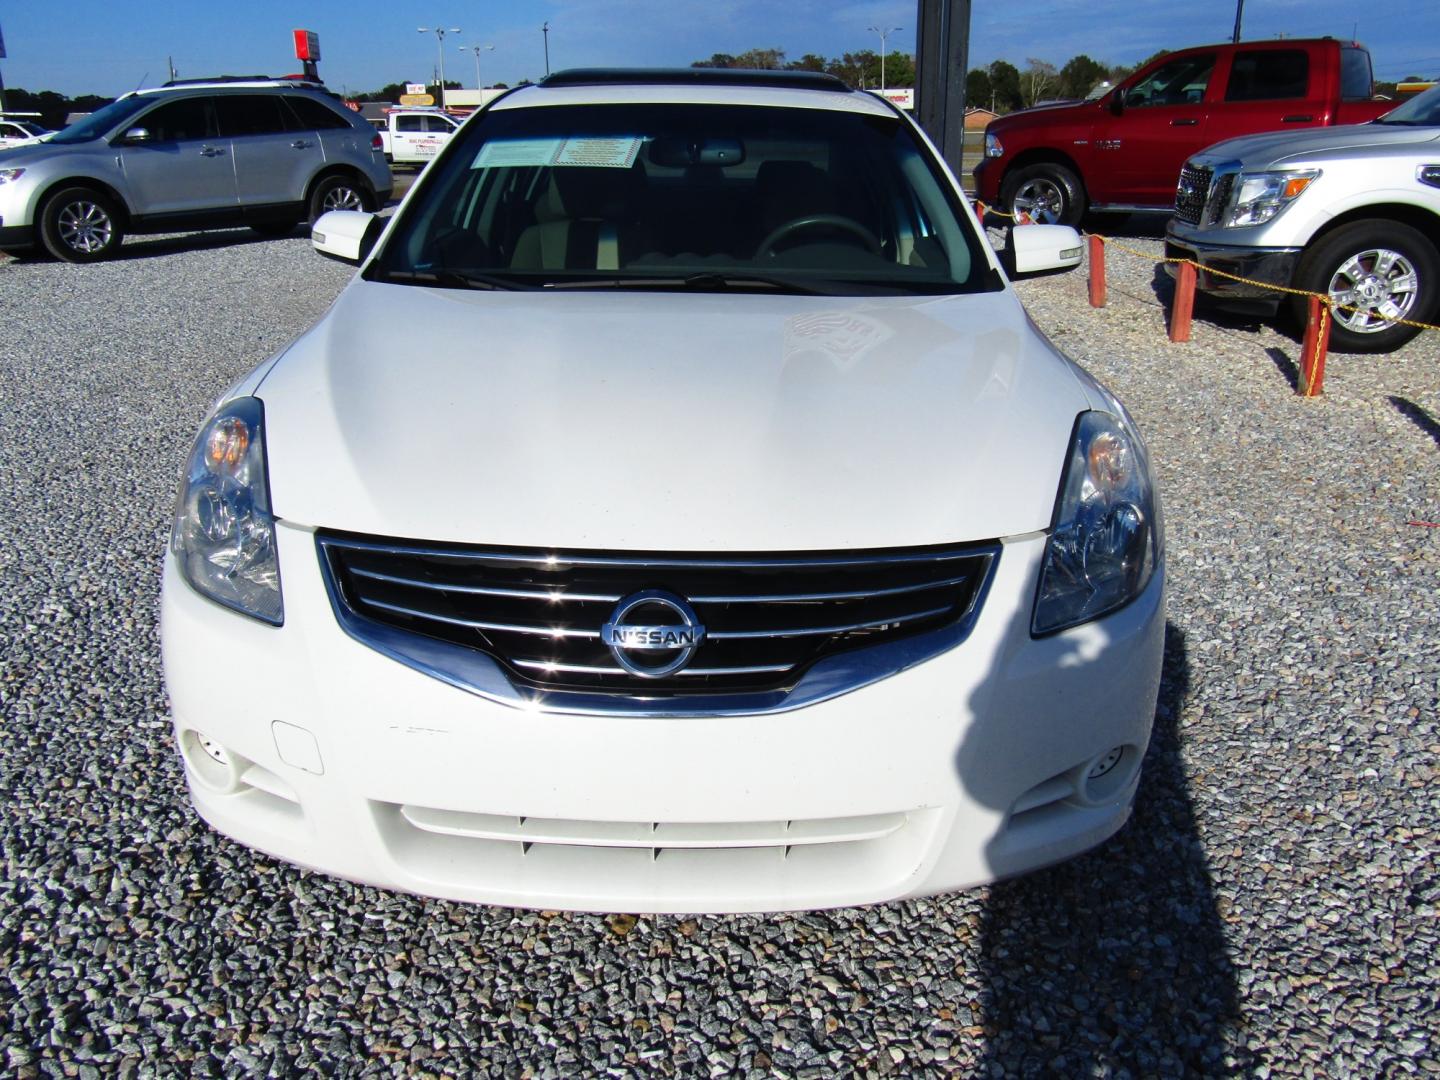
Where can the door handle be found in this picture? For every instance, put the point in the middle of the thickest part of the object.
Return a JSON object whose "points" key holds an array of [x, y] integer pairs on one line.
{"points": [[1190, 122], [302, 144], [210, 151], [1305, 119]]}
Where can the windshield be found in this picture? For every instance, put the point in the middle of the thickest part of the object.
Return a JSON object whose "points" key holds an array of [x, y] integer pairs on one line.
{"points": [[1422, 110], [710, 197], [101, 121]]}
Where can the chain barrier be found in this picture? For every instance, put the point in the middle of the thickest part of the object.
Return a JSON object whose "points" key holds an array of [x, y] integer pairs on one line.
{"points": [[1327, 302]]}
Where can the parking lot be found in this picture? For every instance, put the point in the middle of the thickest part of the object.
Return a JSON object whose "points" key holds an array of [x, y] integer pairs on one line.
{"points": [[1271, 907]]}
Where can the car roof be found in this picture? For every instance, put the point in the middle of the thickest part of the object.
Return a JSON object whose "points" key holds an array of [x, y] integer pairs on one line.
{"points": [[233, 82], [698, 86]]}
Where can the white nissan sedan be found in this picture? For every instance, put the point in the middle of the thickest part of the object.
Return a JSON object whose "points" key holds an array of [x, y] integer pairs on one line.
{"points": [[677, 512]]}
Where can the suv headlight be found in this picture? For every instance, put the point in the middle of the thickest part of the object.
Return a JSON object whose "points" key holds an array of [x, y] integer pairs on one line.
{"points": [[993, 147], [1259, 197], [224, 535], [1106, 539]]}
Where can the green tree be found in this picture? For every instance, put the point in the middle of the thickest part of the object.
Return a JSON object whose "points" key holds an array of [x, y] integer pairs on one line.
{"points": [[977, 89], [808, 62], [719, 60], [1005, 86], [1079, 74]]}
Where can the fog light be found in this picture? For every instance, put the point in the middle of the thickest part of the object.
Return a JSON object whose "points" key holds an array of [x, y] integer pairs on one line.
{"points": [[1105, 764], [210, 763], [213, 748]]}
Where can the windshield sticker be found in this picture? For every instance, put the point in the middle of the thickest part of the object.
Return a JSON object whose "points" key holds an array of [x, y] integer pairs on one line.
{"points": [[587, 151], [609, 153], [517, 153]]}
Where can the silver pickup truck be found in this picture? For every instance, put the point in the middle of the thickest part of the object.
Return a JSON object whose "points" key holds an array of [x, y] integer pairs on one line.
{"points": [[1351, 212]]}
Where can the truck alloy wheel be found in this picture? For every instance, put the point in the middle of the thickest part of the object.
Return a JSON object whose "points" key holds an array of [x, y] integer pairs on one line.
{"points": [[1050, 194], [1374, 273]]}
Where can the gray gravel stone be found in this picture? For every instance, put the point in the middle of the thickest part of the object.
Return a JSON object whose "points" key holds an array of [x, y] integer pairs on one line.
{"points": [[1270, 909]]}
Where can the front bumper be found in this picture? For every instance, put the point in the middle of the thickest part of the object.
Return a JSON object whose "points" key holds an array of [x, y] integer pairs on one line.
{"points": [[1271, 266], [988, 174], [964, 769], [16, 236]]}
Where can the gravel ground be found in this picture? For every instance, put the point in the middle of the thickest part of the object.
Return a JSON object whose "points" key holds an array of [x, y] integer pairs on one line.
{"points": [[1270, 910]]}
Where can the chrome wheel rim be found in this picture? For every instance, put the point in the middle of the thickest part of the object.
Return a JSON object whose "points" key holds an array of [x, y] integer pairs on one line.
{"points": [[342, 198], [1042, 199], [84, 226], [1379, 284]]}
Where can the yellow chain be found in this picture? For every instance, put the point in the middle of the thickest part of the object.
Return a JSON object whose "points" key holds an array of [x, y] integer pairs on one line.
{"points": [[1325, 300]]}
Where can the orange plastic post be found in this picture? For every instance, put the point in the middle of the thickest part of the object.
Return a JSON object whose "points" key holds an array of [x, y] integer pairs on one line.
{"points": [[1097, 271], [980, 210], [1183, 304], [1312, 352]]}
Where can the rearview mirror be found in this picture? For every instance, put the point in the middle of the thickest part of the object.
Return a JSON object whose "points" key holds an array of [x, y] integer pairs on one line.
{"points": [[1039, 249], [347, 235]]}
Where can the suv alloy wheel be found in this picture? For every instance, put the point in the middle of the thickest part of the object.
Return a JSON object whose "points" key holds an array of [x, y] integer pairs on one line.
{"points": [[80, 224]]}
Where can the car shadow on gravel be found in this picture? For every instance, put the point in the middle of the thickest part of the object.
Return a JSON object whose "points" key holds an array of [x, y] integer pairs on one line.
{"points": [[149, 247], [1117, 962]]}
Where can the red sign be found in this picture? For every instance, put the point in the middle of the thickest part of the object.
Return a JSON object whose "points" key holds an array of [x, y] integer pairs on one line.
{"points": [[307, 45]]}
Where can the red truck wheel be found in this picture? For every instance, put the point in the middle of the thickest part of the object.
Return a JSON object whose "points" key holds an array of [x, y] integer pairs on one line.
{"points": [[1050, 193]]}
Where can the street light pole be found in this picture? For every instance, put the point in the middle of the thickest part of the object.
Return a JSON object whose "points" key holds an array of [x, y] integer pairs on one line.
{"points": [[545, 31], [440, 32], [884, 33], [477, 50]]}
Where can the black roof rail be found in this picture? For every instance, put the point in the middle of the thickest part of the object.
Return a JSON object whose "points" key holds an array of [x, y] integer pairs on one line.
{"points": [[244, 78], [788, 80]]}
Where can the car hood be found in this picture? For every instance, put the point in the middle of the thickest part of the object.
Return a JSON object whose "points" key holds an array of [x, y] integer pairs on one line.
{"points": [[1281, 147], [677, 422]]}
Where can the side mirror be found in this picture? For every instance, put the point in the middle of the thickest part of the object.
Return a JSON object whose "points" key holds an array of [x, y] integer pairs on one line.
{"points": [[138, 135], [1039, 249], [347, 235]]}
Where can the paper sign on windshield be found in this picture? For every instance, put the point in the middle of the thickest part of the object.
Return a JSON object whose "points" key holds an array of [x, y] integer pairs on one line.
{"points": [[587, 151]]}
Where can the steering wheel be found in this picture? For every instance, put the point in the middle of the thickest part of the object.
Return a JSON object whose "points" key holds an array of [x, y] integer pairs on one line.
{"points": [[816, 221]]}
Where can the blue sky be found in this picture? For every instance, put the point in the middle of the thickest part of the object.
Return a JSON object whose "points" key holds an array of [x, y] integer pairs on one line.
{"points": [[85, 46]]}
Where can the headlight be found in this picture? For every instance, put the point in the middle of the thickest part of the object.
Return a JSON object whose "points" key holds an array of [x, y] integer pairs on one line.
{"points": [[1106, 539], [993, 148], [224, 536], [6, 175], [1259, 197]]}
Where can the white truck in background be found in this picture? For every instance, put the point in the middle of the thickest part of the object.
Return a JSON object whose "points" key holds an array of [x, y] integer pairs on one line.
{"points": [[413, 136]]}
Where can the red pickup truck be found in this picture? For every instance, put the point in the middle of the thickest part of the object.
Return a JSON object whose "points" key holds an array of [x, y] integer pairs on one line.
{"points": [[1123, 151]]}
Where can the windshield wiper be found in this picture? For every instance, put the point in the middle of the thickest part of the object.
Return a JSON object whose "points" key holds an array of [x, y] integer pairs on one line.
{"points": [[451, 279], [707, 281]]}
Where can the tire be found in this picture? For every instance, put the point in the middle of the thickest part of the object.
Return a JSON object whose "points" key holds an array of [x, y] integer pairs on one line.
{"points": [[274, 228], [1049, 192], [81, 225], [1381, 267], [339, 193]]}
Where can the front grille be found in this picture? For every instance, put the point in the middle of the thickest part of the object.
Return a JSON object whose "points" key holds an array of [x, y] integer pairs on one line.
{"points": [[767, 618], [1191, 193], [1220, 196]]}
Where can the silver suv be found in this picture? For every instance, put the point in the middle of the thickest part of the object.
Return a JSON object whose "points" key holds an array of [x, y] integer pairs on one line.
{"points": [[266, 153]]}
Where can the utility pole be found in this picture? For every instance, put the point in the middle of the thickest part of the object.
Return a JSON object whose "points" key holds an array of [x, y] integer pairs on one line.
{"points": [[941, 62], [1239, 13], [545, 32], [170, 63]]}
